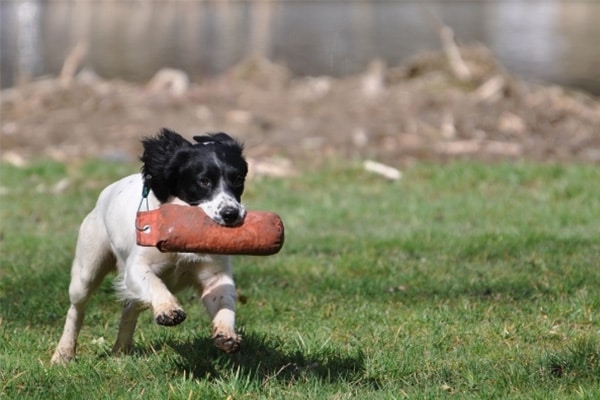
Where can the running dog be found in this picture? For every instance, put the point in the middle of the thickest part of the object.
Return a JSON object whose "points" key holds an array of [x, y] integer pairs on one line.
{"points": [[208, 173]]}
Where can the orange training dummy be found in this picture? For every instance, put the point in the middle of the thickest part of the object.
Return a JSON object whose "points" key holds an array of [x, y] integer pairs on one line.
{"points": [[176, 228]]}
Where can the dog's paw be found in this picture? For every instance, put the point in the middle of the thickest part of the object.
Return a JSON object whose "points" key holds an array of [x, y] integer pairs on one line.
{"points": [[62, 357], [228, 342], [121, 350], [170, 317]]}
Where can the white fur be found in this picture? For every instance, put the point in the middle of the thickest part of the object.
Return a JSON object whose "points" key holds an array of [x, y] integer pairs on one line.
{"points": [[221, 200], [146, 277]]}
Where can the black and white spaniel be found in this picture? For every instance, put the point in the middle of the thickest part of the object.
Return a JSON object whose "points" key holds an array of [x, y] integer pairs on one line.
{"points": [[210, 174]]}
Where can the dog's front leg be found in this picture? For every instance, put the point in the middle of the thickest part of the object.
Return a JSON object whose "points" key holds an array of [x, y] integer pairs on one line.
{"points": [[143, 285], [218, 296]]}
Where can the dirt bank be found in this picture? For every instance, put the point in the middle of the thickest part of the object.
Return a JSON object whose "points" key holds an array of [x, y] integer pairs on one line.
{"points": [[419, 111]]}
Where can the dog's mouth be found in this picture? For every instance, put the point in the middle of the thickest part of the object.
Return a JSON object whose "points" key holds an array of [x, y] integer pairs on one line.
{"points": [[230, 224], [229, 216], [225, 212]]}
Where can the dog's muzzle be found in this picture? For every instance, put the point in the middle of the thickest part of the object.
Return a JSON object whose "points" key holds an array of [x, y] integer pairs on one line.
{"points": [[232, 216]]}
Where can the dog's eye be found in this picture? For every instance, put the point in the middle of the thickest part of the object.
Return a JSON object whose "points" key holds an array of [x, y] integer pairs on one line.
{"points": [[237, 180], [205, 182]]}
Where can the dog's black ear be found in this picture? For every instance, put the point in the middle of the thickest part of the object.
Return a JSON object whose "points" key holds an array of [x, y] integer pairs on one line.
{"points": [[158, 152], [166, 141], [220, 137]]}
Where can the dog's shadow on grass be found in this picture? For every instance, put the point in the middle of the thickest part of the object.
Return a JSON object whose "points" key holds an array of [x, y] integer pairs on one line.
{"points": [[263, 360]]}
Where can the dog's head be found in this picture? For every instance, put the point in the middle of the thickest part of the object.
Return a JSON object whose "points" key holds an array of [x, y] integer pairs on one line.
{"points": [[209, 173]]}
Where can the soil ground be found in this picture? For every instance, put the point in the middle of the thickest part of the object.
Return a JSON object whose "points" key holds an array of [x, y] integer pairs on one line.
{"points": [[418, 111]]}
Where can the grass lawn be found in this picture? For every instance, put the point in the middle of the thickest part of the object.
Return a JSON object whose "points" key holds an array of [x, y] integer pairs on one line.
{"points": [[458, 281]]}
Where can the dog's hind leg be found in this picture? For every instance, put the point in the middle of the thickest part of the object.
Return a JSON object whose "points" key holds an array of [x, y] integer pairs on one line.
{"points": [[129, 316], [93, 260]]}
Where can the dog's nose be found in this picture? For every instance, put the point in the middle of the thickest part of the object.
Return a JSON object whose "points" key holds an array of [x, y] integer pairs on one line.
{"points": [[230, 215]]}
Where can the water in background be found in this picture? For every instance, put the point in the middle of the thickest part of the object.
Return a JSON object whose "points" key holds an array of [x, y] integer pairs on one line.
{"points": [[550, 40]]}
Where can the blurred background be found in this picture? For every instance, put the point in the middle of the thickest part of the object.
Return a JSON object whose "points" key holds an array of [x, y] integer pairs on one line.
{"points": [[395, 81], [544, 40]]}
